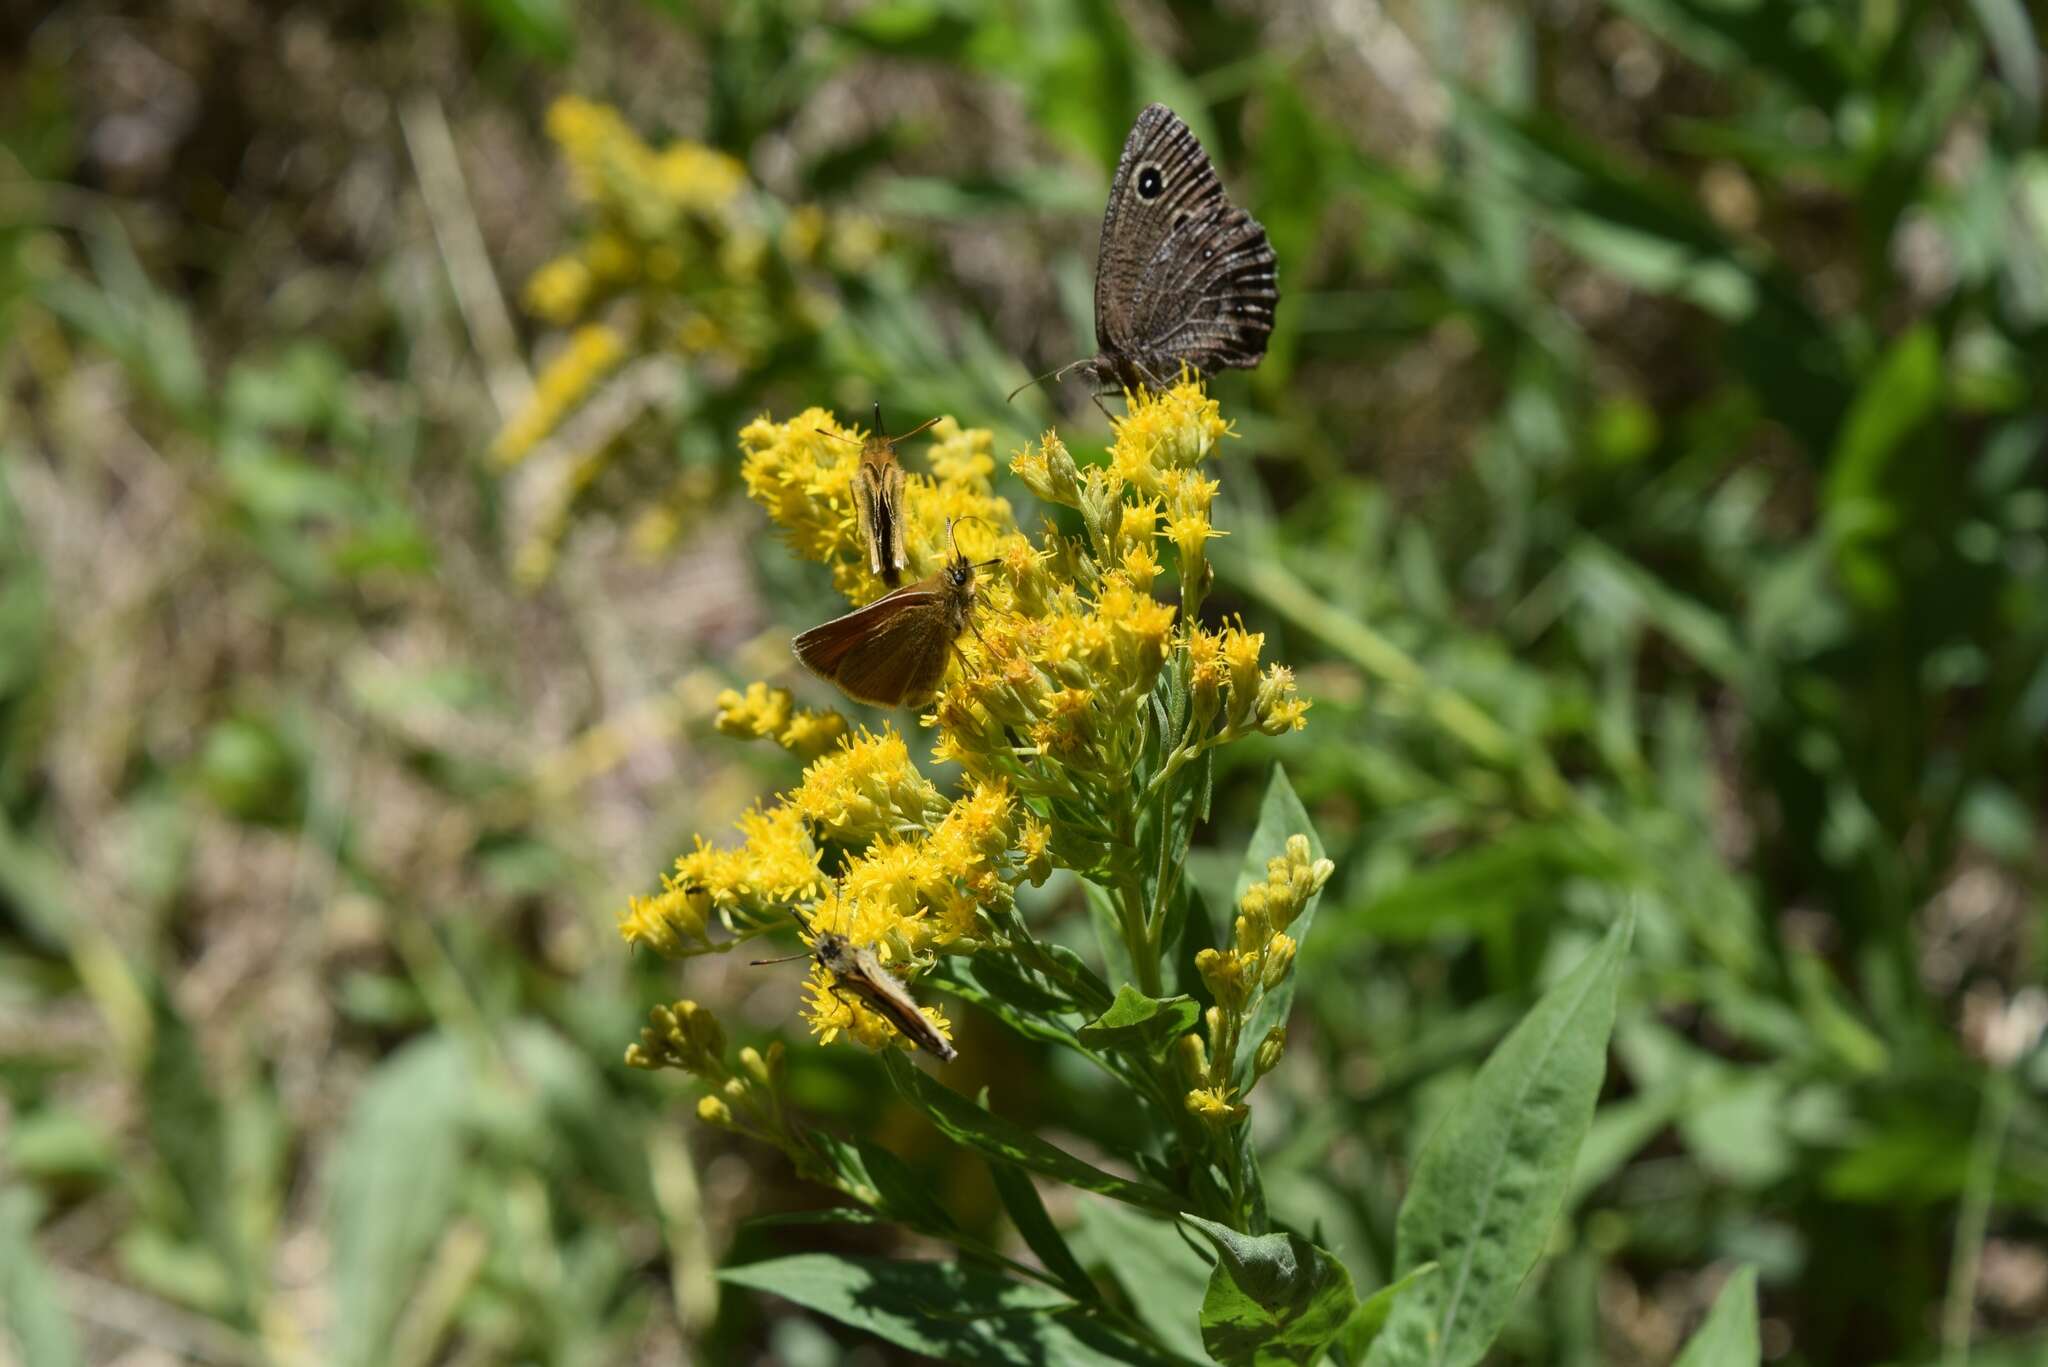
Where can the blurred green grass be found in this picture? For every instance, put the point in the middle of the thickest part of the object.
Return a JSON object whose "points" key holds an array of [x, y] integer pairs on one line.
{"points": [[1651, 486]]}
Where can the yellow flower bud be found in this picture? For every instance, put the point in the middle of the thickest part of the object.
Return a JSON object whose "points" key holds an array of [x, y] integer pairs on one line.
{"points": [[1269, 1051], [1278, 958], [713, 1111], [1192, 1056]]}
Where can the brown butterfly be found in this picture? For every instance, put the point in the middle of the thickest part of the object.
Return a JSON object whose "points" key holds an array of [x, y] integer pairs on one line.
{"points": [[859, 971], [878, 499], [892, 653], [1182, 276]]}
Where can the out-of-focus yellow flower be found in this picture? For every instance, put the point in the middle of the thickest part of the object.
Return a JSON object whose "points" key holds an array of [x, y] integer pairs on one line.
{"points": [[772, 714], [558, 290], [590, 354]]}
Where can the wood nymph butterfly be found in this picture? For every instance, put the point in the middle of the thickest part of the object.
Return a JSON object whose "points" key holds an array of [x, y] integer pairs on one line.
{"points": [[1183, 275]]}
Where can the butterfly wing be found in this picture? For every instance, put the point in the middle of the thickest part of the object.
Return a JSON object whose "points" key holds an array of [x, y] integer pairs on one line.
{"points": [[1182, 273], [883, 654], [878, 493]]}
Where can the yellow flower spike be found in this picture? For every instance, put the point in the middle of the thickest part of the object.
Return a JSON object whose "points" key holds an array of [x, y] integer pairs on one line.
{"points": [[811, 733], [1141, 565], [697, 178], [760, 711], [589, 355], [671, 923], [778, 864], [865, 788], [1190, 533], [1067, 729], [1277, 708], [1164, 431], [1049, 471], [611, 258], [1206, 677], [558, 291]]}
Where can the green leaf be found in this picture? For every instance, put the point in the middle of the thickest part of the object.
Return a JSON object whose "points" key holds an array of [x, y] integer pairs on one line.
{"points": [[1136, 1023], [952, 1311], [1281, 815], [966, 1123], [1355, 1340], [1728, 1337], [394, 1180], [1272, 1299], [1489, 1182], [30, 1307], [189, 1130], [1027, 1212], [1158, 1266]]}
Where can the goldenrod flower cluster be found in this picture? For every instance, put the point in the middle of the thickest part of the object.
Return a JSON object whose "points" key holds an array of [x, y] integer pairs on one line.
{"points": [[1259, 957], [1050, 711], [682, 255], [772, 714]]}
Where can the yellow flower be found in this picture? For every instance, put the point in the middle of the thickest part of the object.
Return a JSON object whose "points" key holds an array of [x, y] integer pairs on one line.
{"points": [[865, 788], [671, 923], [1166, 431], [558, 291], [1213, 1106], [802, 232], [775, 866], [1278, 709], [811, 732], [760, 711], [590, 353], [696, 177], [772, 713], [1049, 717]]}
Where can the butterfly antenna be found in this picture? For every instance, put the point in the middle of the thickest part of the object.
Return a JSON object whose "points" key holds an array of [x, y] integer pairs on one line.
{"points": [[907, 435], [835, 436], [760, 963], [1054, 375]]}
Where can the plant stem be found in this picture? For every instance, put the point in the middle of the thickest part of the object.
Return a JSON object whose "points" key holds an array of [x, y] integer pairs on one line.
{"points": [[1971, 1220]]}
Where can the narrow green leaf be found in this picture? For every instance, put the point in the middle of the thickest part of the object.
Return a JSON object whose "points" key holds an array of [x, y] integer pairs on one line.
{"points": [[1355, 1340], [30, 1307], [961, 1120], [1728, 1336], [1489, 1182], [189, 1129], [1136, 1023], [952, 1311], [394, 1179], [1272, 1299], [1027, 1212], [1281, 815], [905, 1195]]}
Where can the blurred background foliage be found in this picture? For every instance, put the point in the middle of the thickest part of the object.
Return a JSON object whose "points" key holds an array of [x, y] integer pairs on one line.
{"points": [[1650, 482]]}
